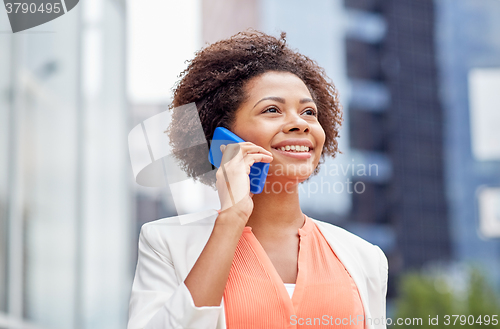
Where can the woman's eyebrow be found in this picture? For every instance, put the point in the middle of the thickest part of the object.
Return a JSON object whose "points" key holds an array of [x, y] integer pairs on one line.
{"points": [[306, 100], [282, 100], [272, 98]]}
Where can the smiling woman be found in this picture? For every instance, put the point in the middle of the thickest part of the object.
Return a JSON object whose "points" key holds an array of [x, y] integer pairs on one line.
{"points": [[259, 262]]}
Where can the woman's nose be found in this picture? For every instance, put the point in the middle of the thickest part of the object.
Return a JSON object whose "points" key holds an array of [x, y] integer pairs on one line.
{"points": [[296, 123]]}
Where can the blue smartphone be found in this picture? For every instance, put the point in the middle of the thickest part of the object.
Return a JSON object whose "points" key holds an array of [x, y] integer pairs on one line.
{"points": [[258, 171]]}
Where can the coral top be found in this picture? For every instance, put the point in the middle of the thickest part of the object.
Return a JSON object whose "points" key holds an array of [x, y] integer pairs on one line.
{"points": [[325, 295]]}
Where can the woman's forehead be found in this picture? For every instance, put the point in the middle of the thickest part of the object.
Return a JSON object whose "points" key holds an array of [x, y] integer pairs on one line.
{"points": [[274, 83]]}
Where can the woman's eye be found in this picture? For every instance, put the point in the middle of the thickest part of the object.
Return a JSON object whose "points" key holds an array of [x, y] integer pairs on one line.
{"points": [[270, 109], [311, 112]]}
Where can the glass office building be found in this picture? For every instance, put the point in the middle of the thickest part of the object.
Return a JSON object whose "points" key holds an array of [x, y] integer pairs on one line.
{"points": [[65, 181], [468, 49]]}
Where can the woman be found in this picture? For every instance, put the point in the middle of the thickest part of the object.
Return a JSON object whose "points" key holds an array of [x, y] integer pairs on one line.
{"points": [[259, 262]]}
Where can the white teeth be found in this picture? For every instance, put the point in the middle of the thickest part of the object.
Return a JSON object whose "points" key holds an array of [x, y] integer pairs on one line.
{"points": [[296, 148]]}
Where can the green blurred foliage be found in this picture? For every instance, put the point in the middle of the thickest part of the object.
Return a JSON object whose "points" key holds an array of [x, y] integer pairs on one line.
{"points": [[428, 296]]}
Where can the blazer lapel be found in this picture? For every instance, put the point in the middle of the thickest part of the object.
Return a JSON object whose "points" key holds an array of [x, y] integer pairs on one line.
{"points": [[221, 324], [350, 262]]}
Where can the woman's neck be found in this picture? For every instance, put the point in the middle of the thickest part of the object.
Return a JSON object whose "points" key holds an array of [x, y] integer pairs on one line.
{"points": [[276, 214]]}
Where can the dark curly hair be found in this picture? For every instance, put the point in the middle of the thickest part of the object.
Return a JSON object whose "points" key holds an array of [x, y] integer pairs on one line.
{"points": [[215, 81]]}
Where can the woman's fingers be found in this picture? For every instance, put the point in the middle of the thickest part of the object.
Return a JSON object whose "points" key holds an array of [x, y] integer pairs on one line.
{"points": [[251, 147], [233, 182], [246, 153], [246, 147], [262, 157], [229, 151]]}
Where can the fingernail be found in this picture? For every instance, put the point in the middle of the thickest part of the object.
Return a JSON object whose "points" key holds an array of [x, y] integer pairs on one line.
{"points": [[222, 148]]}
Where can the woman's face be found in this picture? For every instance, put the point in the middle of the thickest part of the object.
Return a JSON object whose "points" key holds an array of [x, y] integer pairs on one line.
{"points": [[279, 112]]}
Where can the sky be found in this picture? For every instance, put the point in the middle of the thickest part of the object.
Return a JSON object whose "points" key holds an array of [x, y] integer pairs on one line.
{"points": [[162, 35]]}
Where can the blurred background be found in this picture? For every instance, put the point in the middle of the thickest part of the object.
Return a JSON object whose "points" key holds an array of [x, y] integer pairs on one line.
{"points": [[420, 86]]}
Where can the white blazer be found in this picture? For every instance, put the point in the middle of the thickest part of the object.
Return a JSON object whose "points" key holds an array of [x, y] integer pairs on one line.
{"points": [[169, 248]]}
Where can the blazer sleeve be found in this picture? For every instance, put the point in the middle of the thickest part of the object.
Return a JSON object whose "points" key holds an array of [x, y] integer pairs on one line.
{"points": [[383, 283], [158, 299]]}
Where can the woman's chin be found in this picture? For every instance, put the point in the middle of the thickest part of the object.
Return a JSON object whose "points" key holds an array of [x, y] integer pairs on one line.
{"points": [[286, 180], [290, 171]]}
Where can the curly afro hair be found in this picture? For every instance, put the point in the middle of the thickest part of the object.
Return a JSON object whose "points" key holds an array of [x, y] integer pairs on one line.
{"points": [[215, 80]]}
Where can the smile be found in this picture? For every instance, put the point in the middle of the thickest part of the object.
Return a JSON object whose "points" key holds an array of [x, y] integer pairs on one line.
{"points": [[294, 148], [297, 154]]}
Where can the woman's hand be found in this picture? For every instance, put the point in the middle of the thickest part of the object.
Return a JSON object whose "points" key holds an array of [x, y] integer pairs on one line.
{"points": [[233, 183], [207, 279]]}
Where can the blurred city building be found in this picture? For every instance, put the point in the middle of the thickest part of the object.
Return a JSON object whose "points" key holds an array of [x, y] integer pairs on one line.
{"points": [[65, 181], [437, 75], [468, 53], [395, 112]]}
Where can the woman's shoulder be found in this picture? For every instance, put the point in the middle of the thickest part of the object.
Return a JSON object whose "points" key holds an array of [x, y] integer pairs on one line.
{"points": [[202, 218], [179, 230], [346, 241], [342, 233]]}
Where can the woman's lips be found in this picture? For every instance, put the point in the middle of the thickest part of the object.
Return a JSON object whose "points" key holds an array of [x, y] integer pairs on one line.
{"points": [[295, 155]]}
